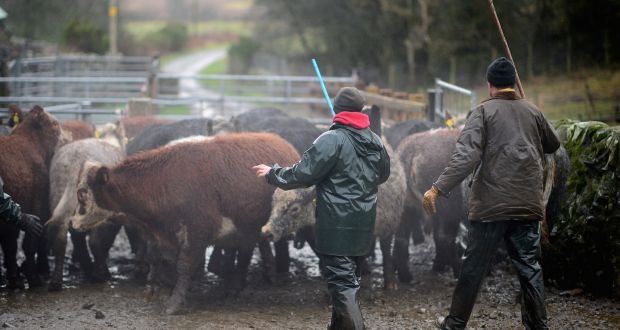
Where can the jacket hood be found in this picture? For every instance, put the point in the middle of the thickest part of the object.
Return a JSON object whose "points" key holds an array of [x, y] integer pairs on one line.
{"points": [[354, 119], [364, 141]]}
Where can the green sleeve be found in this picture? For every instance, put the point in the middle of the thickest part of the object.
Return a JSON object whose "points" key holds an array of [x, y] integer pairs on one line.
{"points": [[314, 166], [384, 166], [10, 212]]}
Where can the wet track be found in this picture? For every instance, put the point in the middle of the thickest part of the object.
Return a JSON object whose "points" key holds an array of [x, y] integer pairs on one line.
{"points": [[295, 301]]}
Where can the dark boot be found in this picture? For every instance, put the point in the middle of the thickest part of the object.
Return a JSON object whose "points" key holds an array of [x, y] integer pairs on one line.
{"points": [[343, 286]]}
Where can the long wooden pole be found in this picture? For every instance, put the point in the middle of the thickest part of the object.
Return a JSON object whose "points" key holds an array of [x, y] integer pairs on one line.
{"points": [[506, 48]]}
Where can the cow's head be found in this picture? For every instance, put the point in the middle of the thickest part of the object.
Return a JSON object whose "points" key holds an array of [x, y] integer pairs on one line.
{"points": [[88, 214], [43, 127], [290, 211]]}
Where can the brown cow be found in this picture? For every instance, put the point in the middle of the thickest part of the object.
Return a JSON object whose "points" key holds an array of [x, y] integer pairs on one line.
{"points": [[134, 125], [25, 157], [190, 196], [79, 129]]}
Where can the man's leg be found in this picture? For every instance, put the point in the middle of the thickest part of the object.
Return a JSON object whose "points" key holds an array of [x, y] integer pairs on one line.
{"points": [[523, 243], [482, 244], [343, 287]]}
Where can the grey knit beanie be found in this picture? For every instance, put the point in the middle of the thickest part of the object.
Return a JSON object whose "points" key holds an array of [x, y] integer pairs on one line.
{"points": [[349, 99]]}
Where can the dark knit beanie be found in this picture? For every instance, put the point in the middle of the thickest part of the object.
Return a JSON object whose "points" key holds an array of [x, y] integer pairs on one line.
{"points": [[501, 73], [349, 99]]}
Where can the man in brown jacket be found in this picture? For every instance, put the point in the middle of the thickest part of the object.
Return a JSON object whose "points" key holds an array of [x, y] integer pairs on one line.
{"points": [[503, 145]]}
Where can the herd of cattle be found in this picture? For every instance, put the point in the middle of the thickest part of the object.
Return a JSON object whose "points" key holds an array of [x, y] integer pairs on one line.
{"points": [[178, 187]]}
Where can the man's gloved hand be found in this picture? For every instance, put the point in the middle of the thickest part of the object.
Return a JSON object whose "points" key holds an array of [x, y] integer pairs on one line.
{"points": [[31, 224], [430, 200]]}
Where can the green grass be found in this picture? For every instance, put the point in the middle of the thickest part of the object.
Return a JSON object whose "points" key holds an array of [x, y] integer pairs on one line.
{"points": [[141, 29], [565, 96], [217, 67], [174, 110], [167, 58]]}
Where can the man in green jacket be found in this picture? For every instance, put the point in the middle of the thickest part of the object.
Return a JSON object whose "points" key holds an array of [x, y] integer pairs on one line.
{"points": [[503, 143], [347, 164]]}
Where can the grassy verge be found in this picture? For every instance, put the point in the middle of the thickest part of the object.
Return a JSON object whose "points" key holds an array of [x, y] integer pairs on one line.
{"points": [[573, 96], [174, 110], [169, 57], [140, 29], [217, 67]]}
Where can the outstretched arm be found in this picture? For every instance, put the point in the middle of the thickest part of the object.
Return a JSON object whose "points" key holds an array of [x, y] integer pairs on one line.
{"points": [[314, 165], [11, 213]]}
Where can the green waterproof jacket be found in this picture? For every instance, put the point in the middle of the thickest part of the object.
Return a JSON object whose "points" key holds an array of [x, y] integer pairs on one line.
{"points": [[10, 212], [346, 165]]}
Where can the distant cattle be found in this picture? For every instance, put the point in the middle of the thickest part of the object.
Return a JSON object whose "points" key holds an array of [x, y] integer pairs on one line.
{"points": [[396, 133], [189, 196], [134, 125], [159, 135], [79, 129], [247, 121]]}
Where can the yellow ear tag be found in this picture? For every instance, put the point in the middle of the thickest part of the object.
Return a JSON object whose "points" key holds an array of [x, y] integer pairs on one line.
{"points": [[97, 134], [450, 123], [15, 119]]}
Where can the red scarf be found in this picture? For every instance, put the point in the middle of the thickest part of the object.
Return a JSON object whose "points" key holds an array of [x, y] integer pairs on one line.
{"points": [[356, 120]]}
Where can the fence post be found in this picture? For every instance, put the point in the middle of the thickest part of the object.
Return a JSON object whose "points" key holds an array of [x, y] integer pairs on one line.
{"points": [[438, 108], [288, 92], [431, 104]]}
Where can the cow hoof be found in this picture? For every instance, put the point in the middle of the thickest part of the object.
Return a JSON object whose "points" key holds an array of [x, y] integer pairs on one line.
{"points": [[439, 268], [15, 284], [34, 281], [391, 286], [267, 279], [54, 286], [405, 277], [173, 307], [99, 277]]}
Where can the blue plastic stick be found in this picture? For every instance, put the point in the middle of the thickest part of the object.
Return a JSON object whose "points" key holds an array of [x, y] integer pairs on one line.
{"points": [[318, 73]]}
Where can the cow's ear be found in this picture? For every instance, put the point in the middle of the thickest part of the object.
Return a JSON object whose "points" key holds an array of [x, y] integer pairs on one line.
{"points": [[102, 176], [36, 110], [82, 195]]}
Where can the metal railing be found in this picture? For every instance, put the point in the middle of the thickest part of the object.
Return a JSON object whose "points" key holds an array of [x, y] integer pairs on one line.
{"points": [[84, 65], [171, 90], [78, 111], [451, 100]]}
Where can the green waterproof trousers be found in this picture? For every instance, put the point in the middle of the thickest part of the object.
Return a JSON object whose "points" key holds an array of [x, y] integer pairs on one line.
{"points": [[343, 284], [522, 240]]}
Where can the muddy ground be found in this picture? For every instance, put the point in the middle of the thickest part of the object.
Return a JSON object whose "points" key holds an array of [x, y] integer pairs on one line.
{"points": [[296, 301]]}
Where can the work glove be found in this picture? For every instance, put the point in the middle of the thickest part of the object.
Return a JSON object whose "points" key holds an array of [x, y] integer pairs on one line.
{"points": [[430, 200], [31, 224]]}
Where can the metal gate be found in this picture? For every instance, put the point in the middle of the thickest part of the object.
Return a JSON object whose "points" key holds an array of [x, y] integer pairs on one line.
{"points": [[449, 101]]}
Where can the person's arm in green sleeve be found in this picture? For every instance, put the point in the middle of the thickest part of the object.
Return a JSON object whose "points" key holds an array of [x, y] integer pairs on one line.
{"points": [[384, 166], [11, 213], [314, 165]]}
